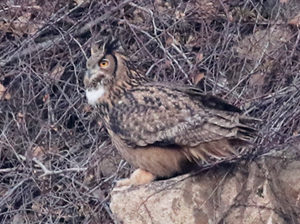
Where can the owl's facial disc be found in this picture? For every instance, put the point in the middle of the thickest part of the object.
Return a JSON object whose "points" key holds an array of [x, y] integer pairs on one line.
{"points": [[100, 75]]}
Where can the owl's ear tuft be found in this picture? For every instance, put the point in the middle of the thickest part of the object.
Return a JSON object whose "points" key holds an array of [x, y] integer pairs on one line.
{"points": [[110, 45], [107, 46], [95, 49]]}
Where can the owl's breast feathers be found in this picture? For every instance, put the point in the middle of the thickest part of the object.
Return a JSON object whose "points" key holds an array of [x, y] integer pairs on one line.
{"points": [[155, 116]]}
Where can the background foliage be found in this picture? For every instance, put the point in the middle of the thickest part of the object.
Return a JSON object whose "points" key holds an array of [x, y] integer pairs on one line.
{"points": [[57, 164]]}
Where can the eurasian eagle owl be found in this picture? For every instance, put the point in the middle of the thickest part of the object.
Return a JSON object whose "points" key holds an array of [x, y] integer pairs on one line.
{"points": [[161, 129]]}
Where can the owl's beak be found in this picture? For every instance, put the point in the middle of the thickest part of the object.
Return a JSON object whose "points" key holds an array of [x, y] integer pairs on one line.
{"points": [[88, 74], [91, 79], [86, 79]]}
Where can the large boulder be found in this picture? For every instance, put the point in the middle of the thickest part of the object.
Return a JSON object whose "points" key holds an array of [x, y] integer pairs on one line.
{"points": [[266, 190]]}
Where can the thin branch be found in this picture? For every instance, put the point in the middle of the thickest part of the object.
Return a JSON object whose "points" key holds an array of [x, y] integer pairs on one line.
{"points": [[53, 172]]}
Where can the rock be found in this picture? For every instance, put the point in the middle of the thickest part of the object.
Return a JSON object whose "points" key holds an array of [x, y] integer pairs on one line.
{"points": [[266, 190]]}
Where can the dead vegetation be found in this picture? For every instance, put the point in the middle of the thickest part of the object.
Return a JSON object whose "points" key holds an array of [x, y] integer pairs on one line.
{"points": [[56, 162]]}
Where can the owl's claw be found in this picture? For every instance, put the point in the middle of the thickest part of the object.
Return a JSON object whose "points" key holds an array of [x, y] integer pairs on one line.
{"points": [[138, 177], [123, 182]]}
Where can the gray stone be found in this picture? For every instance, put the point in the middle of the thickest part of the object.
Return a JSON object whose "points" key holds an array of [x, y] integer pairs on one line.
{"points": [[266, 190]]}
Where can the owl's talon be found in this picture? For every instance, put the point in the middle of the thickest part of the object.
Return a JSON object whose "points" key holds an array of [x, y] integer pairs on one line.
{"points": [[123, 182], [138, 177]]}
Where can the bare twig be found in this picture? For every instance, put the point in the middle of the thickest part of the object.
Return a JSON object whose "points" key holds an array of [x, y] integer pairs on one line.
{"points": [[53, 172], [11, 191]]}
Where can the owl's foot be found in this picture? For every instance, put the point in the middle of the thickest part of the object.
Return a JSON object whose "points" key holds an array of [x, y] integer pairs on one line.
{"points": [[138, 177]]}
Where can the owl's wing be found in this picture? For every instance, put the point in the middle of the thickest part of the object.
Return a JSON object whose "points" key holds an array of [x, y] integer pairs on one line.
{"points": [[172, 117]]}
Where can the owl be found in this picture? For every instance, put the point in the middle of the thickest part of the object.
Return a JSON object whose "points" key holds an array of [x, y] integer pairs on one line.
{"points": [[161, 129]]}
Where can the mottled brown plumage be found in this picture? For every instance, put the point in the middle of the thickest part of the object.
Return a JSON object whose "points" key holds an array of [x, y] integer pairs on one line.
{"points": [[161, 129]]}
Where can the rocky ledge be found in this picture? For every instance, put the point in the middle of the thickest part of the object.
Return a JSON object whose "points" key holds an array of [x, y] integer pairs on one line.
{"points": [[266, 190]]}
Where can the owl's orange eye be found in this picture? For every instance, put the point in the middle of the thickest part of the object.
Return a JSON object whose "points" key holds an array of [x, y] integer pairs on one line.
{"points": [[103, 64]]}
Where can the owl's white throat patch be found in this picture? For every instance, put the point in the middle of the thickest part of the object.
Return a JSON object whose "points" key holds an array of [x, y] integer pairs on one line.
{"points": [[93, 95]]}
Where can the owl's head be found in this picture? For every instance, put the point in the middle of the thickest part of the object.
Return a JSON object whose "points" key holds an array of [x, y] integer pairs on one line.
{"points": [[104, 68]]}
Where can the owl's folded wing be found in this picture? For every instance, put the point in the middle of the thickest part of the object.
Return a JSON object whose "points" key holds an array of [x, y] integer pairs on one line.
{"points": [[144, 125]]}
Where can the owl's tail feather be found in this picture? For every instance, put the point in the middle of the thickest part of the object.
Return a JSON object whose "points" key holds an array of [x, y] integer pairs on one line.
{"points": [[211, 152], [246, 130]]}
